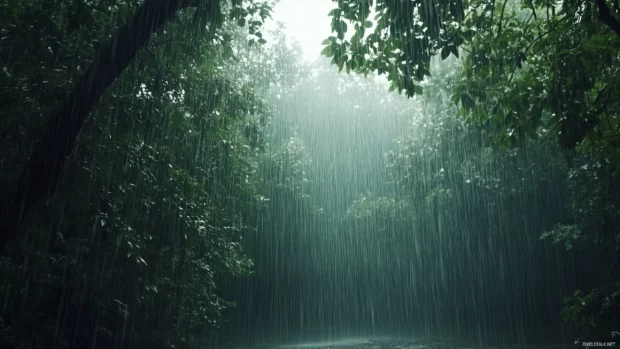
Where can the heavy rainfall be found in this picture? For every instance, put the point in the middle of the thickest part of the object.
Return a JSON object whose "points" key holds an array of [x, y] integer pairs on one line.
{"points": [[309, 174]]}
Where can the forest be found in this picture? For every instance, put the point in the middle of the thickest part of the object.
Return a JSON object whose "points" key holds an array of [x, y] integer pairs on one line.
{"points": [[184, 174]]}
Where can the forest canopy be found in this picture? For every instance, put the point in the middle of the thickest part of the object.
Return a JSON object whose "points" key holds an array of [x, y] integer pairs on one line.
{"points": [[529, 66]]}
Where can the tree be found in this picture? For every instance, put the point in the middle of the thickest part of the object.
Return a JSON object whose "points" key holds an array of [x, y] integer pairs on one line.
{"points": [[149, 208], [514, 51], [405, 36], [57, 142], [472, 204], [531, 70]]}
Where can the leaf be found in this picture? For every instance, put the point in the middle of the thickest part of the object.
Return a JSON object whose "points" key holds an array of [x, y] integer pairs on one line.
{"points": [[367, 24], [455, 51], [328, 51], [340, 64], [419, 74], [467, 101], [341, 28], [334, 12], [445, 52], [469, 34]]}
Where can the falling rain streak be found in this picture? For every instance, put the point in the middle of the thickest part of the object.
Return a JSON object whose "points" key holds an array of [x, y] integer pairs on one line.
{"points": [[193, 174]]}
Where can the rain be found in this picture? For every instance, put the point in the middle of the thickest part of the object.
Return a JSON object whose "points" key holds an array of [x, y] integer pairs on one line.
{"points": [[309, 174]]}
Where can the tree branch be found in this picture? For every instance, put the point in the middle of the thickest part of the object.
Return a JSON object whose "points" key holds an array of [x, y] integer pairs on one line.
{"points": [[607, 17], [492, 13], [501, 18], [533, 10], [527, 48]]}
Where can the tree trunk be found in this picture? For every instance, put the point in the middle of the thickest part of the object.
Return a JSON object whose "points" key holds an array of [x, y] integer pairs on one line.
{"points": [[47, 158], [606, 16]]}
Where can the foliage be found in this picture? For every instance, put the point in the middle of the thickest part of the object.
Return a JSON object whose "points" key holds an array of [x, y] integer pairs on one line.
{"points": [[273, 69], [399, 41], [46, 46], [286, 168], [569, 234], [458, 203], [387, 208], [530, 68], [531, 72], [547, 69], [594, 202], [173, 165], [596, 312], [541, 68], [48, 155], [147, 218], [441, 153]]}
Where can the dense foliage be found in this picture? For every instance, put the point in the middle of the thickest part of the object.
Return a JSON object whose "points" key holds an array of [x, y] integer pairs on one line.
{"points": [[178, 169], [147, 216], [457, 203], [531, 70]]}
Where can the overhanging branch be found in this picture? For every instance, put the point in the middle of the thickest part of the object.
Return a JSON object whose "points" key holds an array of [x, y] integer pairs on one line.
{"points": [[607, 17]]}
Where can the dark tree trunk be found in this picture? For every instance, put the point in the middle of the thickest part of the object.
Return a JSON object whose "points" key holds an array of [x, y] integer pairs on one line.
{"points": [[606, 16], [47, 158]]}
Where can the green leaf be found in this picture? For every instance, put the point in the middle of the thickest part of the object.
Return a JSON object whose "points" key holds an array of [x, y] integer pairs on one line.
{"points": [[445, 52], [467, 101], [340, 62], [469, 34], [455, 51], [328, 51], [334, 12]]}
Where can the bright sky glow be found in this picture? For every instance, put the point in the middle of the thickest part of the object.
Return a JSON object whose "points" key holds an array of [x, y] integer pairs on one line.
{"points": [[307, 23]]}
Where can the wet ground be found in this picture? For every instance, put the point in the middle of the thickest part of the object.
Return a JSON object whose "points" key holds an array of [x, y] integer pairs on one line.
{"points": [[399, 343]]}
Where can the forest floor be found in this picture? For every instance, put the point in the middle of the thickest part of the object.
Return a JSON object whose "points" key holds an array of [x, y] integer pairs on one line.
{"points": [[397, 343]]}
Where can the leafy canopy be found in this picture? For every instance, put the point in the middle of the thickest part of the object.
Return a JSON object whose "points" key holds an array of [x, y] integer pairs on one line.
{"points": [[398, 40], [530, 66]]}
